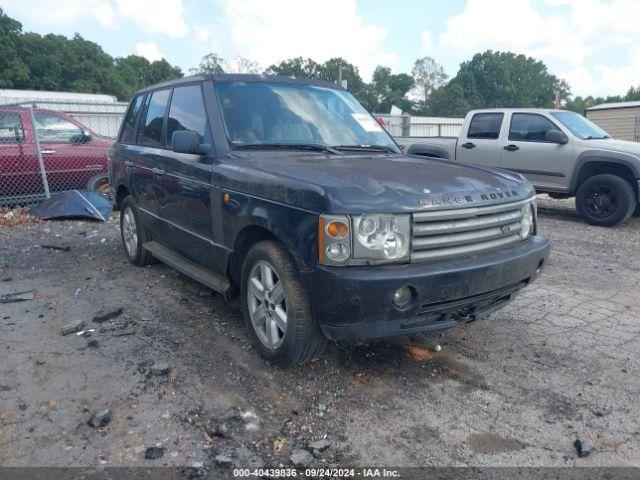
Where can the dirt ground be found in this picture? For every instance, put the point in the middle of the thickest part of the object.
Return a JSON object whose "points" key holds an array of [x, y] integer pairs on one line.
{"points": [[560, 364]]}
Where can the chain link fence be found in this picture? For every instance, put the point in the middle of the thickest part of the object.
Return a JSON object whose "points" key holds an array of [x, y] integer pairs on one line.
{"points": [[52, 146], [413, 126]]}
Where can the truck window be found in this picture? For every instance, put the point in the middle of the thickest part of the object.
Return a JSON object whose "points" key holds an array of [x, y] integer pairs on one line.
{"points": [[11, 130], [51, 128], [187, 112], [151, 134], [529, 127], [485, 125], [129, 123]]}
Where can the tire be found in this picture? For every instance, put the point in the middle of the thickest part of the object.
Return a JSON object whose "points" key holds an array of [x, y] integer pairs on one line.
{"points": [[99, 183], [130, 224], [297, 339], [637, 211], [605, 200]]}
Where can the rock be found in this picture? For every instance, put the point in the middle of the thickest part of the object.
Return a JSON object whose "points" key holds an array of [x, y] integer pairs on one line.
{"points": [[321, 444], [245, 458], [104, 315], [197, 465], [73, 327], [160, 368], [93, 344], [301, 458], [153, 453], [100, 419], [582, 453], [603, 412], [223, 460]]}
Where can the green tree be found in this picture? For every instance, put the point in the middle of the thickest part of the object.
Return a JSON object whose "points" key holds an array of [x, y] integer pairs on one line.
{"points": [[296, 67], [427, 75], [12, 69], [211, 63], [500, 79], [388, 89]]}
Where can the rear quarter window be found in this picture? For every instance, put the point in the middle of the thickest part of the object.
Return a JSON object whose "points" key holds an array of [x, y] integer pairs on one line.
{"points": [[128, 134], [11, 130], [151, 135], [485, 125]]}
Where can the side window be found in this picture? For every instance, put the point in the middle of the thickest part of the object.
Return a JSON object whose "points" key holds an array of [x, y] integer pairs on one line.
{"points": [[529, 127], [129, 122], [485, 125], [51, 128], [187, 112], [11, 130], [152, 130]]}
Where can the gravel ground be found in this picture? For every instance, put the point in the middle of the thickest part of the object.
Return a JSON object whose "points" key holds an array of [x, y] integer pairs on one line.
{"points": [[561, 363]]}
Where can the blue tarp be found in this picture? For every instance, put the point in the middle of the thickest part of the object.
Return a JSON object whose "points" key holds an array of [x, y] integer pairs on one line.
{"points": [[73, 204]]}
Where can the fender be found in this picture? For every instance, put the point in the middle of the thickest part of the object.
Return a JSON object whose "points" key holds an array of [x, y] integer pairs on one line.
{"points": [[427, 149], [606, 156]]}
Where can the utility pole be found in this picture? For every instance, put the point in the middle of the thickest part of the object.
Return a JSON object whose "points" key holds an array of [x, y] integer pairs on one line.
{"points": [[557, 101]]}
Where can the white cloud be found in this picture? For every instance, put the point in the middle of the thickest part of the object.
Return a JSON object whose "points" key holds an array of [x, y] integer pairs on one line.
{"points": [[270, 31], [149, 50], [150, 16], [587, 42]]}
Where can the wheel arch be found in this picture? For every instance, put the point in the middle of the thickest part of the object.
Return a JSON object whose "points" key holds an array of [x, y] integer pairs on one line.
{"points": [[121, 193], [589, 165], [426, 150]]}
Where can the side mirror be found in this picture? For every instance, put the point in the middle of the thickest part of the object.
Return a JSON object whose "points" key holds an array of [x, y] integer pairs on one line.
{"points": [[556, 136], [185, 141]]}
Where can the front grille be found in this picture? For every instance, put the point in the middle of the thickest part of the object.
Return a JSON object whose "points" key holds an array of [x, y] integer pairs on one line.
{"points": [[454, 233]]}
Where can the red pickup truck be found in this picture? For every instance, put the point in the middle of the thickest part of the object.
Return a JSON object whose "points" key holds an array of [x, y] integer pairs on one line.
{"points": [[74, 156]]}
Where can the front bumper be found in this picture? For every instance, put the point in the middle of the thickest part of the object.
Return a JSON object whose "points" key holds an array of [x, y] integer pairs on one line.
{"points": [[356, 303]]}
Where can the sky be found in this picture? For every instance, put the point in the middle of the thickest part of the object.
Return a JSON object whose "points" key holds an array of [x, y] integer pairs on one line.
{"points": [[593, 44]]}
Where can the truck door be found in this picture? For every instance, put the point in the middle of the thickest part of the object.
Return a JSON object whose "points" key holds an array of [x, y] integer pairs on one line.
{"points": [[479, 144], [525, 150], [19, 170]]}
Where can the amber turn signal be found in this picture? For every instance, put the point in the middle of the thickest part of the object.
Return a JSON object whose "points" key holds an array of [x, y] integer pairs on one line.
{"points": [[337, 229]]}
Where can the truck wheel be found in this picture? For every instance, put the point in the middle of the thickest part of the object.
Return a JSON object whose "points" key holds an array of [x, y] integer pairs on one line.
{"points": [[99, 183], [276, 308], [133, 234], [605, 200]]}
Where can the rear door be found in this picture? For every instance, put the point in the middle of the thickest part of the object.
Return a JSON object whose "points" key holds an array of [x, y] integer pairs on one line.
{"points": [[185, 185], [525, 150], [479, 144], [70, 156], [19, 172]]}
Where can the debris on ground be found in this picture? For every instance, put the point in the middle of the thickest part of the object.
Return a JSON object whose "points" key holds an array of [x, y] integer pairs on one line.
{"points": [[602, 412], [73, 204], [5, 414], [153, 453], [582, 453], [320, 445], [73, 327], [223, 460], [246, 458], [419, 354], [62, 248], [301, 458], [18, 296], [104, 315], [15, 216], [160, 368], [100, 419]]}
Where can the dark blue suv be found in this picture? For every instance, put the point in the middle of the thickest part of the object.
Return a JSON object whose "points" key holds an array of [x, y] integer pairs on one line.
{"points": [[291, 194]]}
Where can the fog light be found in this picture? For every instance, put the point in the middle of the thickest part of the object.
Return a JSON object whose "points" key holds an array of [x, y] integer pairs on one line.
{"points": [[402, 297]]}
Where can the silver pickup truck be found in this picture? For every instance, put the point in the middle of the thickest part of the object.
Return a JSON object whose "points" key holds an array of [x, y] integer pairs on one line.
{"points": [[560, 152]]}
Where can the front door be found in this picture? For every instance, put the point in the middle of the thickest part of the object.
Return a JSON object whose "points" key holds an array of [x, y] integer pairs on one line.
{"points": [[525, 150], [184, 187], [481, 145], [19, 169]]}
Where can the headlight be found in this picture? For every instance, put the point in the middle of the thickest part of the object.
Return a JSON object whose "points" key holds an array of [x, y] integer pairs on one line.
{"points": [[381, 238], [527, 223], [362, 240]]}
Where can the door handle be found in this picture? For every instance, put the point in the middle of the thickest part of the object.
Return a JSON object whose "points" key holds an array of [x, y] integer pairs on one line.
{"points": [[468, 145], [158, 171], [128, 163], [47, 152], [512, 148]]}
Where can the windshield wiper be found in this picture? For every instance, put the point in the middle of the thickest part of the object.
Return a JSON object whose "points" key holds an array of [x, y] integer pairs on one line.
{"points": [[316, 147], [591, 137], [368, 148]]}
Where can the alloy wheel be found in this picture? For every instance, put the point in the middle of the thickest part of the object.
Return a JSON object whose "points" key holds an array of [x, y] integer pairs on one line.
{"points": [[267, 304]]}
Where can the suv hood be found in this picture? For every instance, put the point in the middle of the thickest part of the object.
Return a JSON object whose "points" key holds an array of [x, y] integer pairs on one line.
{"points": [[622, 146], [366, 183]]}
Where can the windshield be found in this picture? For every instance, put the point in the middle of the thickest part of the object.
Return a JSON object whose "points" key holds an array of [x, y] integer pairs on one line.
{"points": [[263, 114], [580, 126]]}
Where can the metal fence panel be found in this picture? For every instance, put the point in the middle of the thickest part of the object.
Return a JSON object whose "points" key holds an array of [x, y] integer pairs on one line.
{"points": [[44, 151], [414, 126]]}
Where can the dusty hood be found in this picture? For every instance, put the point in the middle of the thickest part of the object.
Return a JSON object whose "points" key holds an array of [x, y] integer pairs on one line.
{"points": [[367, 183], [622, 146]]}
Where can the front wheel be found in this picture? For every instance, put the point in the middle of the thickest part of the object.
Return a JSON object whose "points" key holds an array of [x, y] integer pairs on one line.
{"points": [[605, 200], [276, 308]]}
